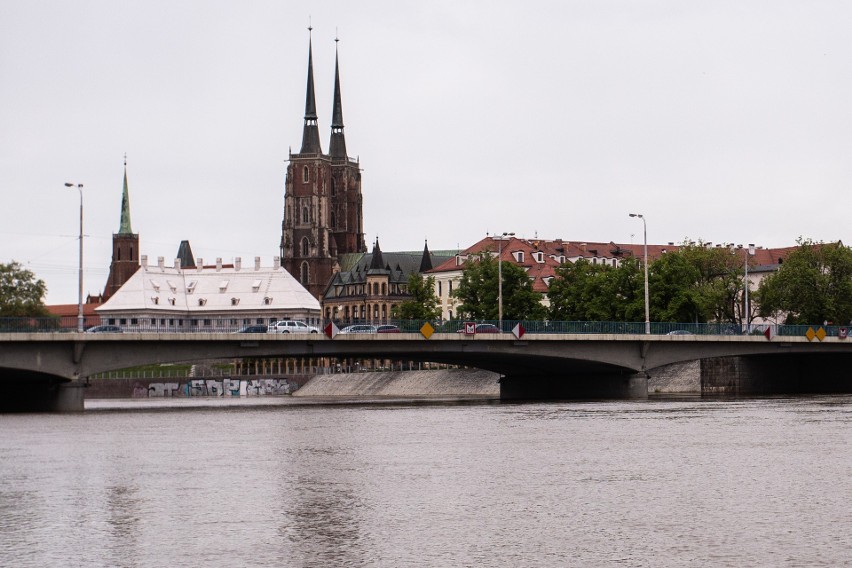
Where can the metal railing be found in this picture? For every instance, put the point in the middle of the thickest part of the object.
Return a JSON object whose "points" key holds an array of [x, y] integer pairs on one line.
{"points": [[484, 327]]}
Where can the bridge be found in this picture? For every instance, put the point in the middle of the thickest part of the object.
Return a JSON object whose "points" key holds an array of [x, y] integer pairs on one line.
{"points": [[47, 370]]}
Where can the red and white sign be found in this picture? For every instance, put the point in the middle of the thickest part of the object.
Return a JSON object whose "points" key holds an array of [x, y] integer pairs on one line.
{"points": [[331, 330], [769, 333], [842, 333], [469, 328], [519, 331]]}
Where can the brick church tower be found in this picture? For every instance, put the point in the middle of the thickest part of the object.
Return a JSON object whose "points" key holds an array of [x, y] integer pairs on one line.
{"points": [[323, 216], [125, 248]]}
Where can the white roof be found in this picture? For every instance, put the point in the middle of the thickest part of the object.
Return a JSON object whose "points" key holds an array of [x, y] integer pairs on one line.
{"points": [[211, 289]]}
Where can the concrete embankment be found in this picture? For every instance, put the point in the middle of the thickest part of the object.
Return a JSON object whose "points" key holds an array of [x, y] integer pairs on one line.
{"points": [[677, 378], [436, 383]]}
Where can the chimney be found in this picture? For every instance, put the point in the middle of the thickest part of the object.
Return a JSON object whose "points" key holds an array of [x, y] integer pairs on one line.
{"points": [[161, 262], [276, 262], [257, 263], [144, 260], [177, 264], [218, 263], [200, 263], [238, 263]]}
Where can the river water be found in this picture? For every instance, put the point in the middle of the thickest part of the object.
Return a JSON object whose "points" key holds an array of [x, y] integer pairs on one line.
{"points": [[278, 482]]}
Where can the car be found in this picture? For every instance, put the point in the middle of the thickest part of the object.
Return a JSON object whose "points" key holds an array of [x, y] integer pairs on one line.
{"points": [[483, 328], [253, 329], [359, 328], [387, 328], [679, 332], [291, 326], [105, 329]]}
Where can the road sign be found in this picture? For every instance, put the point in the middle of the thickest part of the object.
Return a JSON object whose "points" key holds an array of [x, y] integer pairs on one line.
{"points": [[519, 331], [469, 328], [842, 333], [330, 330]]}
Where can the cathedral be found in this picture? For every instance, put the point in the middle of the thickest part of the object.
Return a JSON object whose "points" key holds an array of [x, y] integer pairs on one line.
{"points": [[323, 217]]}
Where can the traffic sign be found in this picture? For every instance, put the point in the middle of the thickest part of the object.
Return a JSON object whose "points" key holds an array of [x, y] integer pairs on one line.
{"points": [[469, 328]]}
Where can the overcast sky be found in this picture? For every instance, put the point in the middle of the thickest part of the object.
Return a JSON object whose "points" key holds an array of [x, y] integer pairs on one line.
{"points": [[728, 121]]}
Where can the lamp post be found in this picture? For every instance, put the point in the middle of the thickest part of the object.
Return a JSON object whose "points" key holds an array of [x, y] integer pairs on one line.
{"points": [[80, 323], [749, 252], [500, 278], [647, 304]]}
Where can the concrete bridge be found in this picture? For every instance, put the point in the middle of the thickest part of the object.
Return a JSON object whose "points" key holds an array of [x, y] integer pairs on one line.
{"points": [[48, 370]]}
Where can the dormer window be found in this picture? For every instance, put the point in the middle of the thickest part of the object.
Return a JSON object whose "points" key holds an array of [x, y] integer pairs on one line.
{"points": [[223, 285], [267, 301], [202, 301], [156, 285], [172, 301], [155, 300], [190, 288], [519, 255], [255, 286], [235, 301], [539, 256], [171, 285]]}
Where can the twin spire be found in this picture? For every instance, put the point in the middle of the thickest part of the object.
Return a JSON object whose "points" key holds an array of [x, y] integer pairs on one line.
{"points": [[310, 135]]}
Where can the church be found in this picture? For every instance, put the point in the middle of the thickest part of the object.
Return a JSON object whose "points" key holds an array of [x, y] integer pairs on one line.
{"points": [[323, 216]]}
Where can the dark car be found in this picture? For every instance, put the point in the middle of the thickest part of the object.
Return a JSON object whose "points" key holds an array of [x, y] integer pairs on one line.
{"points": [[105, 329], [387, 328], [252, 329]]}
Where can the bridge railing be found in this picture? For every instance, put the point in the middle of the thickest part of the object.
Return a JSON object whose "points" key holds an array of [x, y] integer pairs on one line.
{"points": [[484, 327]]}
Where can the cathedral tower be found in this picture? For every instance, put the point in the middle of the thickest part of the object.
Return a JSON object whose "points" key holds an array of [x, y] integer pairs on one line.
{"points": [[322, 198], [125, 247]]}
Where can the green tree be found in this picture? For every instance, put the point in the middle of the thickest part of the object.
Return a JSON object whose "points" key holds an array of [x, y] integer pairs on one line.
{"points": [[583, 291], [21, 295], [814, 284], [478, 287], [675, 290], [423, 304]]}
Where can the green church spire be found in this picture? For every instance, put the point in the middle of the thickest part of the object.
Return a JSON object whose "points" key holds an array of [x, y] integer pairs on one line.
{"points": [[124, 228]]}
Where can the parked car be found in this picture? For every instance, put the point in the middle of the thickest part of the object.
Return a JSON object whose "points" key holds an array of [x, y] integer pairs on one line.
{"points": [[291, 326], [105, 329], [359, 328], [484, 328], [387, 328], [253, 329]]}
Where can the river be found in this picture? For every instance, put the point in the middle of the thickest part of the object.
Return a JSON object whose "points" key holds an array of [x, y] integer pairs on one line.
{"points": [[284, 482]]}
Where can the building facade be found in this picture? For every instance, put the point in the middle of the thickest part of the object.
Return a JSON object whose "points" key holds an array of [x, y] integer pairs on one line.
{"points": [[323, 205], [212, 298]]}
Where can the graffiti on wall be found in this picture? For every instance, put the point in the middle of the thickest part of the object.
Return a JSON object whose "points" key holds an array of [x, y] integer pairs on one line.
{"points": [[212, 387]]}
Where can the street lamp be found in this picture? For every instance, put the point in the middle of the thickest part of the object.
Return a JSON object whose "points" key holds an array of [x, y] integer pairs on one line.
{"points": [[647, 304], [749, 252], [80, 325], [500, 278]]}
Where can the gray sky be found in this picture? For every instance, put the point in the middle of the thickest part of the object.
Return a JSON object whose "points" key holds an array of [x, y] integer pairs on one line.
{"points": [[725, 121]]}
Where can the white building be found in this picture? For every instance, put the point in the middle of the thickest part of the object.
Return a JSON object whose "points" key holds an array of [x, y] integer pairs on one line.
{"points": [[213, 298]]}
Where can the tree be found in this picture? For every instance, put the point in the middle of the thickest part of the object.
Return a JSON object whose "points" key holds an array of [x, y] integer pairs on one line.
{"points": [[813, 285], [583, 291], [478, 291], [423, 304], [21, 295]]}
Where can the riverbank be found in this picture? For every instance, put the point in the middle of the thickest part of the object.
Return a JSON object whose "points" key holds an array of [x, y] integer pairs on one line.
{"points": [[681, 378]]}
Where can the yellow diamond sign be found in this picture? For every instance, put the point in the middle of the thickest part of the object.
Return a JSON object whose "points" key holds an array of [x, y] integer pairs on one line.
{"points": [[427, 330], [820, 334], [810, 334]]}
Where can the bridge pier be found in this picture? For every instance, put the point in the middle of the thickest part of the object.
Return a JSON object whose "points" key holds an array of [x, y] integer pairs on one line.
{"points": [[616, 386]]}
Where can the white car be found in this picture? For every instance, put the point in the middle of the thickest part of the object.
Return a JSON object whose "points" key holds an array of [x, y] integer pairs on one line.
{"points": [[290, 326], [360, 328]]}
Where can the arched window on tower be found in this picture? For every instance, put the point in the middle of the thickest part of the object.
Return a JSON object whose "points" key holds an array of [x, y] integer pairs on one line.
{"points": [[333, 220], [304, 274], [305, 215], [306, 247], [305, 177]]}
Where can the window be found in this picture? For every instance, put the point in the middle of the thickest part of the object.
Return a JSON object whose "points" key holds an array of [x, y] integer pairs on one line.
{"points": [[223, 285], [305, 216], [333, 219], [202, 301], [375, 288], [306, 244], [440, 290], [235, 302], [305, 177], [450, 284], [384, 289], [304, 273], [190, 288], [207, 323]]}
